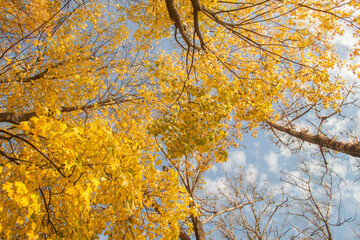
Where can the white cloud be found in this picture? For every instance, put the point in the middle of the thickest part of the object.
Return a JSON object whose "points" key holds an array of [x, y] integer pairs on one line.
{"points": [[340, 169], [256, 150], [351, 194], [212, 185], [347, 39], [237, 159], [337, 125], [272, 160], [251, 173], [263, 180], [213, 169], [353, 164]]}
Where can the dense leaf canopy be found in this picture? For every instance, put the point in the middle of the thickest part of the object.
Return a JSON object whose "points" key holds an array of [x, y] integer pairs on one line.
{"points": [[96, 95]]}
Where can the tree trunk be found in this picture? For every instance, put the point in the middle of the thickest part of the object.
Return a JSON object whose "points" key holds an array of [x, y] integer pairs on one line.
{"points": [[198, 228]]}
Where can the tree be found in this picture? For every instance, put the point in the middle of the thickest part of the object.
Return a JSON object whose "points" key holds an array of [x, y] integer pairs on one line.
{"points": [[249, 211], [90, 107], [76, 160], [256, 33], [315, 203], [307, 206]]}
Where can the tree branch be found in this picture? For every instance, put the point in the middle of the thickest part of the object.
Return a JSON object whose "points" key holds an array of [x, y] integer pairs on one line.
{"points": [[352, 149], [10, 117], [13, 118], [175, 17], [28, 79], [228, 210]]}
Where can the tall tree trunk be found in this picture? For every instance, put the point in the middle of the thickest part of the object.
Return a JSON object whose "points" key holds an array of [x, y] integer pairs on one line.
{"points": [[198, 228]]}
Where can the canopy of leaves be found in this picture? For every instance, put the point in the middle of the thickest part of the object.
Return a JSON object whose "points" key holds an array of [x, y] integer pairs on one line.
{"points": [[90, 104]]}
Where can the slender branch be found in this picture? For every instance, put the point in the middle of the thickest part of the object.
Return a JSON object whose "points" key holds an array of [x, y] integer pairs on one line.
{"points": [[47, 207], [28, 79], [12, 159], [36, 149], [228, 210], [36, 29]]}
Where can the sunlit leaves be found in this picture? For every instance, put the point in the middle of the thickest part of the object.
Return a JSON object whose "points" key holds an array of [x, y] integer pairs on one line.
{"points": [[85, 163], [102, 107]]}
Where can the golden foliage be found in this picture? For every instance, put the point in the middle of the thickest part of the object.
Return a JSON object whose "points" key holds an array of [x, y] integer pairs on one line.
{"points": [[89, 110]]}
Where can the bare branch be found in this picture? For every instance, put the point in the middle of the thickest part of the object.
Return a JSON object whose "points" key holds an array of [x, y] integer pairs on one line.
{"points": [[229, 209]]}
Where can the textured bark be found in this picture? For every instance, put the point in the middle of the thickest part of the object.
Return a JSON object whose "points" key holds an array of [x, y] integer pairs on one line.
{"points": [[10, 117], [352, 149], [183, 235], [175, 17], [198, 228]]}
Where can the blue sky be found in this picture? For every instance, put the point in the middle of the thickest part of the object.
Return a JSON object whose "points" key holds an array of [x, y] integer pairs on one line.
{"points": [[262, 161]]}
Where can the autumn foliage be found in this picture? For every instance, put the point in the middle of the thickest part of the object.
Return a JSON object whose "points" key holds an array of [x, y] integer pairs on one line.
{"points": [[93, 102]]}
